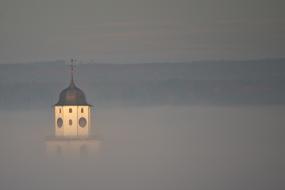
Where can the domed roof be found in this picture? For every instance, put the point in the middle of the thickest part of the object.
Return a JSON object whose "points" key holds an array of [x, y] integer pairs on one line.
{"points": [[72, 95]]}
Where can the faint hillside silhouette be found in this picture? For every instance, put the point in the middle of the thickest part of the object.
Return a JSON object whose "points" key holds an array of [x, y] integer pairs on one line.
{"points": [[208, 82]]}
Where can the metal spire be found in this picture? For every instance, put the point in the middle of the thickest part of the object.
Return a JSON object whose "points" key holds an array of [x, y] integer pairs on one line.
{"points": [[72, 61]]}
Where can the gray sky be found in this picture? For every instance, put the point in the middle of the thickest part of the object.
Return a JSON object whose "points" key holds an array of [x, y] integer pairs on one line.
{"points": [[141, 30]]}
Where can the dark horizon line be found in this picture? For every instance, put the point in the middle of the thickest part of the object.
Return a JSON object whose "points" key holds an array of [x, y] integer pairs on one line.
{"points": [[62, 61]]}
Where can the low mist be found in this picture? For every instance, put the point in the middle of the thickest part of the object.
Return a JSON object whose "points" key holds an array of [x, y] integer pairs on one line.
{"points": [[163, 127]]}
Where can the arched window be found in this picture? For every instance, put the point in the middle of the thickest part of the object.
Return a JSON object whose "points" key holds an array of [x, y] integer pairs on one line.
{"points": [[59, 122], [70, 122], [70, 110], [82, 110], [59, 110], [82, 122]]}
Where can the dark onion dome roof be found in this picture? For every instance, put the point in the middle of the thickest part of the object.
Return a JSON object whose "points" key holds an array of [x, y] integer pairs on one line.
{"points": [[72, 95]]}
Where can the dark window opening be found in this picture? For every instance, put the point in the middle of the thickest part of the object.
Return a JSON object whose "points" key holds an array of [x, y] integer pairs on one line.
{"points": [[59, 122], [82, 122]]}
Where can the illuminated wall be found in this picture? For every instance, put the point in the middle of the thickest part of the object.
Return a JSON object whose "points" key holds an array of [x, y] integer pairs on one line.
{"points": [[72, 121]]}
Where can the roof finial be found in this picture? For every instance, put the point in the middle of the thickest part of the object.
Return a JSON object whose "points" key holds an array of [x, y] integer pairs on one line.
{"points": [[72, 61]]}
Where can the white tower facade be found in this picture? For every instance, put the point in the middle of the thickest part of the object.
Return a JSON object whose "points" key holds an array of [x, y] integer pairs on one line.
{"points": [[72, 121]]}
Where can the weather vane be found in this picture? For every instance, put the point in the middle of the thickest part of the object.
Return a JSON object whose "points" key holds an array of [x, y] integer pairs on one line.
{"points": [[72, 62]]}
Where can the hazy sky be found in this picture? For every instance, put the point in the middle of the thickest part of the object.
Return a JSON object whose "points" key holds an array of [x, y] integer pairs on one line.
{"points": [[141, 30]]}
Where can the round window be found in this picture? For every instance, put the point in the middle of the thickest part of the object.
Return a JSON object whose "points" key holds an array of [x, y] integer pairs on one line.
{"points": [[82, 122], [59, 122]]}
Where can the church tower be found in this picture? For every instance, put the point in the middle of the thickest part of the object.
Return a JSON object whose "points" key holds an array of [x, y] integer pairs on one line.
{"points": [[72, 114], [72, 125]]}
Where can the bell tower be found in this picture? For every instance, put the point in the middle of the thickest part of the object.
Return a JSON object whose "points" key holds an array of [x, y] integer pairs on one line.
{"points": [[72, 124], [72, 114]]}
